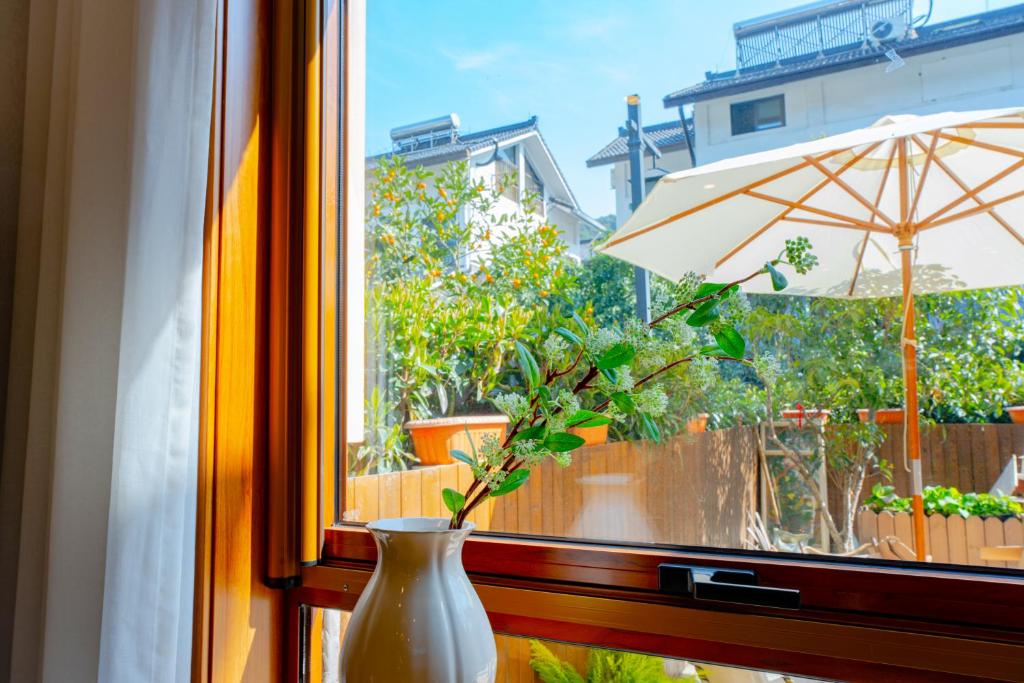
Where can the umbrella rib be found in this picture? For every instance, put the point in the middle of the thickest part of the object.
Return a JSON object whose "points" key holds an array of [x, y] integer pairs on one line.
{"points": [[856, 222], [983, 207], [867, 233], [973, 193], [965, 187], [728, 195], [875, 211], [996, 124], [983, 145], [784, 214], [929, 158]]}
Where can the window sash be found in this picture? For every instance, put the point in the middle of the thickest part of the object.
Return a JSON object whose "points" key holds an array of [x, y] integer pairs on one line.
{"points": [[859, 618]]}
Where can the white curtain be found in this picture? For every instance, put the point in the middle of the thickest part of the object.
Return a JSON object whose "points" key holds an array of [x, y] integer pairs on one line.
{"points": [[148, 586]]}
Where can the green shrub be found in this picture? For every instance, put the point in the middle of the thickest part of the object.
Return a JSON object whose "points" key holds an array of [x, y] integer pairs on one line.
{"points": [[946, 501]]}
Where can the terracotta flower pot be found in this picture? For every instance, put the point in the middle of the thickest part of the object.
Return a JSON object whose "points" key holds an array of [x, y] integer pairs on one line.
{"points": [[697, 424], [804, 414], [434, 440], [592, 436], [883, 416], [1016, 414]]}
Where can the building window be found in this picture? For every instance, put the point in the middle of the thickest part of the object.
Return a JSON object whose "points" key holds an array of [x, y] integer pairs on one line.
{"points": [[755, 115], [506, 173]]}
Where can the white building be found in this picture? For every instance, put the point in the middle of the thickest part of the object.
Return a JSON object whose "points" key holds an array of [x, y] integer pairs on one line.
{"points": [[516, 150], [671, 140], [830, 67]]}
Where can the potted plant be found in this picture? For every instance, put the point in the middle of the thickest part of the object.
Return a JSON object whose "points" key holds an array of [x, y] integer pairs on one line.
{"points": [[585, 379], [434, 439], [800, 414], [592, 436], [1016, 414], [697, 424], [883, 416]]}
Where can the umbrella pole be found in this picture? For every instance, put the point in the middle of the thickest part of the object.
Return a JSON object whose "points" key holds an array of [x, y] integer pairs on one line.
{"points": [[908, 342]]}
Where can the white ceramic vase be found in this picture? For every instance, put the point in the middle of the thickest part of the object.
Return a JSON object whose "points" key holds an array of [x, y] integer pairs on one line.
{"points": [[419, 618]]}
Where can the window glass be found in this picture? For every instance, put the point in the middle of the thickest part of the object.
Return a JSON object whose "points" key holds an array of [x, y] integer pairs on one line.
{"points": [[529, 660], [762, 114], [769, 418]]}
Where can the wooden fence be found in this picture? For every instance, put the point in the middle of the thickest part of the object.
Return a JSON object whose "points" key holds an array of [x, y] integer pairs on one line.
{"points": [[693, 489], [967, 456], [953, 539]]}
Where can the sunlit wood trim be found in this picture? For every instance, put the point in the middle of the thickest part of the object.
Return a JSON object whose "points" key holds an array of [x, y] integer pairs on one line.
{"points": [[675, 628], [857, 196], [284, 339], [872, 590], [819, 211], [238, 620], [728, 195], [312, 318], [202, 597], [784, 214], [332, 126]]}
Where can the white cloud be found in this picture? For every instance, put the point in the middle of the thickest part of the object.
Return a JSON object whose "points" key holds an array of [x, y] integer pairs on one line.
{"points": [[474, 60]]}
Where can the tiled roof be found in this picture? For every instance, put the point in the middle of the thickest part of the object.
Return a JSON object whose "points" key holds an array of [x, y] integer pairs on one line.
{"points": [[463, 145], [970, 29], [667, 136]]}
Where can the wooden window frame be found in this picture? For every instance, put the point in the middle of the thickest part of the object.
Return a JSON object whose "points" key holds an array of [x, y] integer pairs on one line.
{"points": [[860, 620]]}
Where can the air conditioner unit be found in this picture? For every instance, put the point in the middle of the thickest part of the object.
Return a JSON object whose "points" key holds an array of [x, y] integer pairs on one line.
{"points": [[888, 30]]}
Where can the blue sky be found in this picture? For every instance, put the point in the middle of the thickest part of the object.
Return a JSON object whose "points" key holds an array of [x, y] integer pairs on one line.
{"points": [[570, 62]]}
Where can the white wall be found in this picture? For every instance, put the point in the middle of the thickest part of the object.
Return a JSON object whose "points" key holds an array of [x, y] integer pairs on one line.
{"points": [[981, 75]]}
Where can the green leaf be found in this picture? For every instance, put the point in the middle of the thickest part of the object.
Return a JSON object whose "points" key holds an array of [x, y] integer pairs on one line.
{"points": [[610, 374], [514, 480], [569, 336], [779, 281], [528, 365], [711, 350], [581, 416], [709, 288], [462, 456], [731, 341], [596, 421], [704, 314], [624, 402], [650, 428], [560, 442], [618, 355], [453, 500], [580, 323], [530, 433]]}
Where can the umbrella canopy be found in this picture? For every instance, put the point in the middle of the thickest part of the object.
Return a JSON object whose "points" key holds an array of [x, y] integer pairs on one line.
{"points": [[912, 204], [957, 197]]}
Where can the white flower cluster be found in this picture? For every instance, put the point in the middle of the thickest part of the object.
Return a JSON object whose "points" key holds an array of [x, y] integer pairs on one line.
{"points": [[554, 349], [703, 372], [687, 286], [514, 406], [767, 369], [652, 401], [602, 339], [569, 404], [735, 309], [623, 381]]}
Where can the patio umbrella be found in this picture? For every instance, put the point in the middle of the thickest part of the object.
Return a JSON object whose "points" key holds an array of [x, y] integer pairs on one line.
{"points": [[912, 204]]}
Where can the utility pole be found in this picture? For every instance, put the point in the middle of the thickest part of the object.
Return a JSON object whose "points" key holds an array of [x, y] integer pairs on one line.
{"points": [[634, 133]]}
